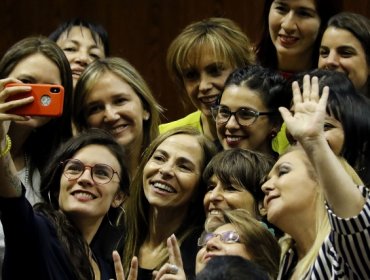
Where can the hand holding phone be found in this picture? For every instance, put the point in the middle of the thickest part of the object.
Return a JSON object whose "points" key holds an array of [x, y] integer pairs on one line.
{"points": [[48, 100]]}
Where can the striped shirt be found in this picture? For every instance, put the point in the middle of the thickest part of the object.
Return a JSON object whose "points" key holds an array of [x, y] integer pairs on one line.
{"points": [[345, 253]]}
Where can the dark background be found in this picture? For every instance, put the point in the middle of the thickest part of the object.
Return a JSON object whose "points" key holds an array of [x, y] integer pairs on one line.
{"points": [[140, 30]]}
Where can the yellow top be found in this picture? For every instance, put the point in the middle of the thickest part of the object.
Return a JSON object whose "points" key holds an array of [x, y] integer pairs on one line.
{"points": [[192, 119], [280, 143]]}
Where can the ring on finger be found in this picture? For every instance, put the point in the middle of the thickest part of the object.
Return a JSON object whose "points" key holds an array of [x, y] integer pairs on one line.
{"points": [[172, 268]]}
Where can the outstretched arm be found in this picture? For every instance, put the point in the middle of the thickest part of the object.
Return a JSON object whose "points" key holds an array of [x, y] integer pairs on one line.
{"points": [[307, 127], [10, 185]]}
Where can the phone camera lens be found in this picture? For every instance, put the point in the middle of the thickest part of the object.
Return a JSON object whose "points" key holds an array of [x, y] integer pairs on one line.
{"points": [[55, 90]]}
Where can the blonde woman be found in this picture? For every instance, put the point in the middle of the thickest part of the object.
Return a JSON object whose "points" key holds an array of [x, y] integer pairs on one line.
{"points": [[112, 95], [199, 60], [325, 241]]}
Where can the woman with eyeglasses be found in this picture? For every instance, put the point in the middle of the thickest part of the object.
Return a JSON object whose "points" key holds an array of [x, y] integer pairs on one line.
{"points": [[246, 113], [238, 233], [84, 185]]}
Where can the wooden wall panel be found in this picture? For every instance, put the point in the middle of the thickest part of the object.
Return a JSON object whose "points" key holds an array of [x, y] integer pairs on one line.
{"points": [[140, 30]]}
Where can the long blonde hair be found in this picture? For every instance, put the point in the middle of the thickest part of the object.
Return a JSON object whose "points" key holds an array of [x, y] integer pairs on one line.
{"points": [[125, 71], [322, 225]]}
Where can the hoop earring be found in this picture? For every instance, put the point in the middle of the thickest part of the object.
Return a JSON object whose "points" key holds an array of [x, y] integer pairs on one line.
{"points": [[109, 221], [121, 214]]}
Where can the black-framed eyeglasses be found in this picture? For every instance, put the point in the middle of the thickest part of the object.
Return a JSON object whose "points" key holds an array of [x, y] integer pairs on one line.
{"points": [[227, 237], [244, 116], [100, 173]]}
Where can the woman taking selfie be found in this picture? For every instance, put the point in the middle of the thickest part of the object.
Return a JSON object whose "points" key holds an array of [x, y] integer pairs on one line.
{"points": [[86, 182]]}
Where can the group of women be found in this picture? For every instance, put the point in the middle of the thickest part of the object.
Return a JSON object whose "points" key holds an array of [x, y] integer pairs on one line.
{"points": [[166, 199]]}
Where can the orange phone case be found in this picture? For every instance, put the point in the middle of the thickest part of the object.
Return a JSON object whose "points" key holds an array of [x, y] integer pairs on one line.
{"points": [[48, 100]]}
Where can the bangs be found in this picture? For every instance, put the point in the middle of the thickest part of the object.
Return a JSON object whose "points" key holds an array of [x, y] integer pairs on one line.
{"points": [[191, 54], [333, 107], [229, 172]]}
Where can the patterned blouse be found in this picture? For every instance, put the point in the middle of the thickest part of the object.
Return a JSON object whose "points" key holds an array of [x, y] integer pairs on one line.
{"points": [[345, 253]]}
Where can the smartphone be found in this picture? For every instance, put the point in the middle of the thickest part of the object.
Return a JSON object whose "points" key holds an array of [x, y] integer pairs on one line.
{"points": [[48, 100]]}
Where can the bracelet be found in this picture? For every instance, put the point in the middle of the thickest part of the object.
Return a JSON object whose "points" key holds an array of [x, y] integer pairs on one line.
{"points": [[8, 145]]}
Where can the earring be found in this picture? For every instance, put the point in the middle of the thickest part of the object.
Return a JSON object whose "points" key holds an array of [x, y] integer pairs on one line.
{"points": [[273, 134], [146, 116]]}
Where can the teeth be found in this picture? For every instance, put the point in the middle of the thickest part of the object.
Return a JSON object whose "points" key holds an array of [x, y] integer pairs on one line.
{"points": [[210, 99], [83, 195], [118, 129], [163, 187], [288, 39], [215, 212], [230, 138]]}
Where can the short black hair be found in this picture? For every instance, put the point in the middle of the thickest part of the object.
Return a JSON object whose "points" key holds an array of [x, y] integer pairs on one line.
{"points": [[231, 268], [98, 32]]}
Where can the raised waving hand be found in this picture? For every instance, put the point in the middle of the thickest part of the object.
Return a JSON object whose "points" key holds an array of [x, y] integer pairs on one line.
{"points": [[306, 125], [309, 111]]}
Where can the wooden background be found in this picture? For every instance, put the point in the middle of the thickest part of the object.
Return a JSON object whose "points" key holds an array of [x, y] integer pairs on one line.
{"points": [[139, 30]]}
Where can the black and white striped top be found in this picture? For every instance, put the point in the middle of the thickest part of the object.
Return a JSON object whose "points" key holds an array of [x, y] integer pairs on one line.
{"points": [[345, 254]]}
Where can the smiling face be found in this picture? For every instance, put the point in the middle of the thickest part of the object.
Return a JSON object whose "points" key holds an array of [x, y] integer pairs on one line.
{"points": [[215, 247], [293, 26], [36, 69], [256, 137], [220, 196], [205, 78], [290, 192], [82, 198], [341, 51], [114, 106], [172, 174], [80, 49]]}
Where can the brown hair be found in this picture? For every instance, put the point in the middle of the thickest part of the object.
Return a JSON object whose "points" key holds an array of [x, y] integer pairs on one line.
{"points": [[228, 42], [137, 206], [245, 167], [259, 242]]}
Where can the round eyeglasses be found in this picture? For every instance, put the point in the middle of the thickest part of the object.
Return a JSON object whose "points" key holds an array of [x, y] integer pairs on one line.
{"points": [[100, 173], [243, 116], [226, 237]]}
